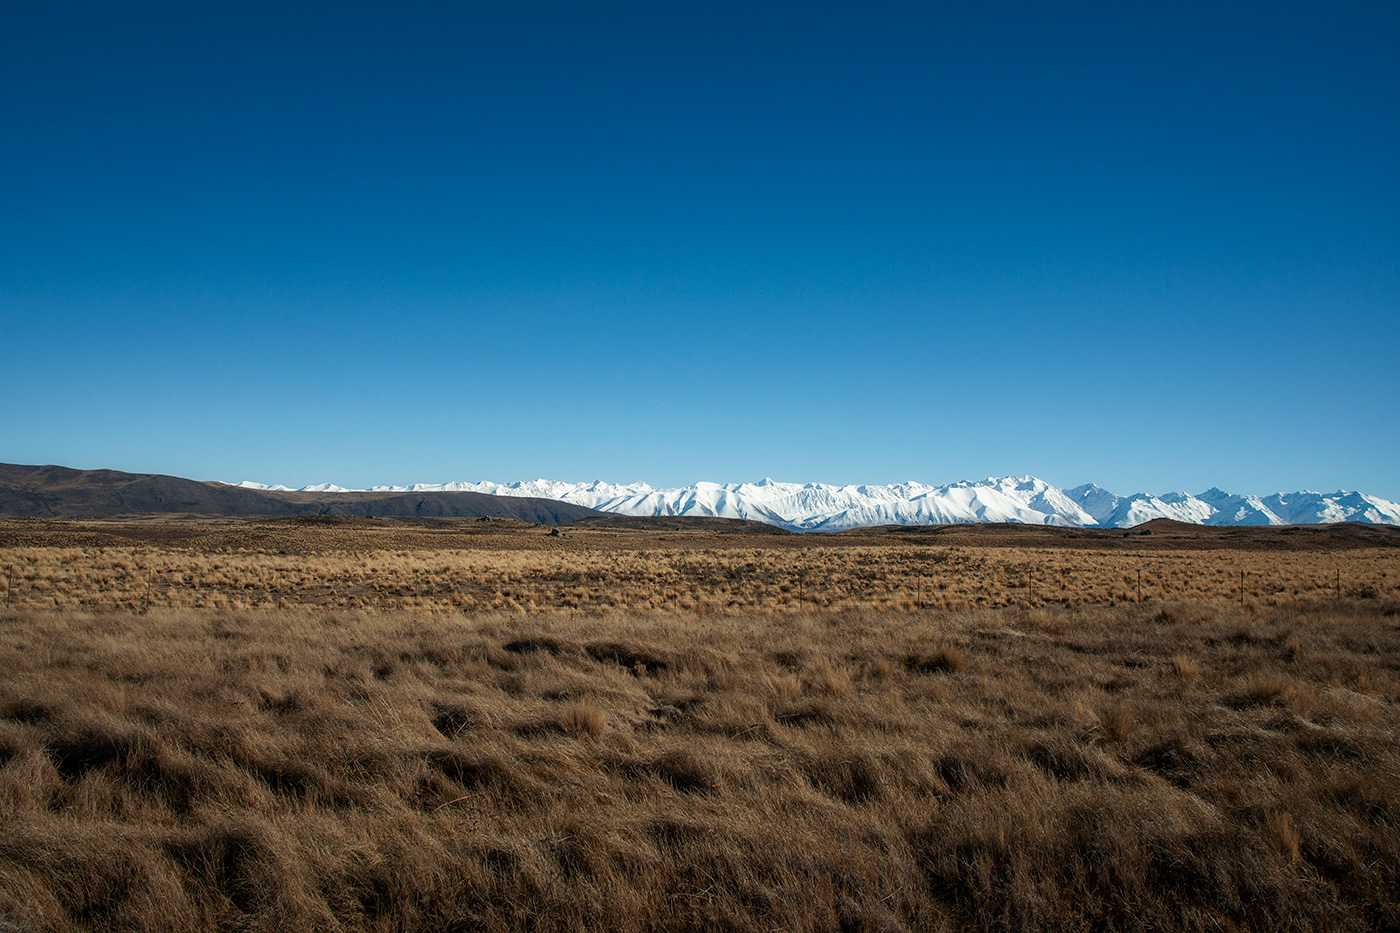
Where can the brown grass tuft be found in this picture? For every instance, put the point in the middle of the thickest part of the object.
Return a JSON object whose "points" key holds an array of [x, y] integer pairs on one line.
{"points": [[1279, 829], [1262, 689], [1185, 668], [583, 719], [1117, 724]]}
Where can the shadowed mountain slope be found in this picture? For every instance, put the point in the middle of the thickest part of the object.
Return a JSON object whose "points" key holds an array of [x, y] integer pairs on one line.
{"points": [[60, 492]]}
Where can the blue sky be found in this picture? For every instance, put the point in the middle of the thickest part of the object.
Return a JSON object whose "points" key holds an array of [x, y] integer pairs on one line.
{"points": [[360, 243]]}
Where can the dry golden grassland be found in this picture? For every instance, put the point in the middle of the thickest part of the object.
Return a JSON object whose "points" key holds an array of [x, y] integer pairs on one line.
{"points": [[825, 757], [305, 567]]}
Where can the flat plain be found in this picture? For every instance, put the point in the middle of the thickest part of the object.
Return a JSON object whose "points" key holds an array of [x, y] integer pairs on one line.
{"points": [[706, 565], [363, 724]]}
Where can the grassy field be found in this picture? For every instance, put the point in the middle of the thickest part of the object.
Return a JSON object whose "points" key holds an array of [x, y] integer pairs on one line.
{"points": [[738, 756], [468, 566]]}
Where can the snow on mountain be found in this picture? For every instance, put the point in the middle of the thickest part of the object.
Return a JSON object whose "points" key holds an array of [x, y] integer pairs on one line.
{"points": [[275, 487], [1231, 509], [1113, 511], [1298, 508], [1023, 499], [1011, 499], [278, 487]]}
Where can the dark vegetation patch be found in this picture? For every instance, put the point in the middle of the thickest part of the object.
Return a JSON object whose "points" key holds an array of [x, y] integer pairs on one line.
{"points": [[74, 754], [966, 771], [1175, 758], [27, 710], [539, 728], [942, 660], [640, 661], [233, 861], [807, 713], [685, 770], [854, 776], [454, 719], [534, 645], [1067, 760], [469, 770]]}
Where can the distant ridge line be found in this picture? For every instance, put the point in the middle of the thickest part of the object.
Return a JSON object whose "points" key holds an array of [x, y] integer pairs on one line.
{"points": [[62, 492], [1015, 499]]}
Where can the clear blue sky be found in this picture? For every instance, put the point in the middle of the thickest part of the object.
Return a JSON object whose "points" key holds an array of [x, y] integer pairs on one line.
{"points": [[1158, 249]]}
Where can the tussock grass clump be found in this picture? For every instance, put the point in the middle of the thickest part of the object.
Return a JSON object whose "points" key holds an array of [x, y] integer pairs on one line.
{"points": [[1185, 668], [583, 719], [946, 659], [1012, 769]]}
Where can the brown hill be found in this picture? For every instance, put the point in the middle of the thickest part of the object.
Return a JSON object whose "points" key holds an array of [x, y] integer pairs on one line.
{"points": [[726, 526], [60, 492], [1158, 534]]}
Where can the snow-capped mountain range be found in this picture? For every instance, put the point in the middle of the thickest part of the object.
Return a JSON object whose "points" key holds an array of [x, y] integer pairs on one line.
{"points": [[1026, 499]]}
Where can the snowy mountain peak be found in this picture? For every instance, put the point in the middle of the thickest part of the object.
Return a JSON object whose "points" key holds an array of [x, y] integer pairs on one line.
{"points": [[1024, 499]]}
